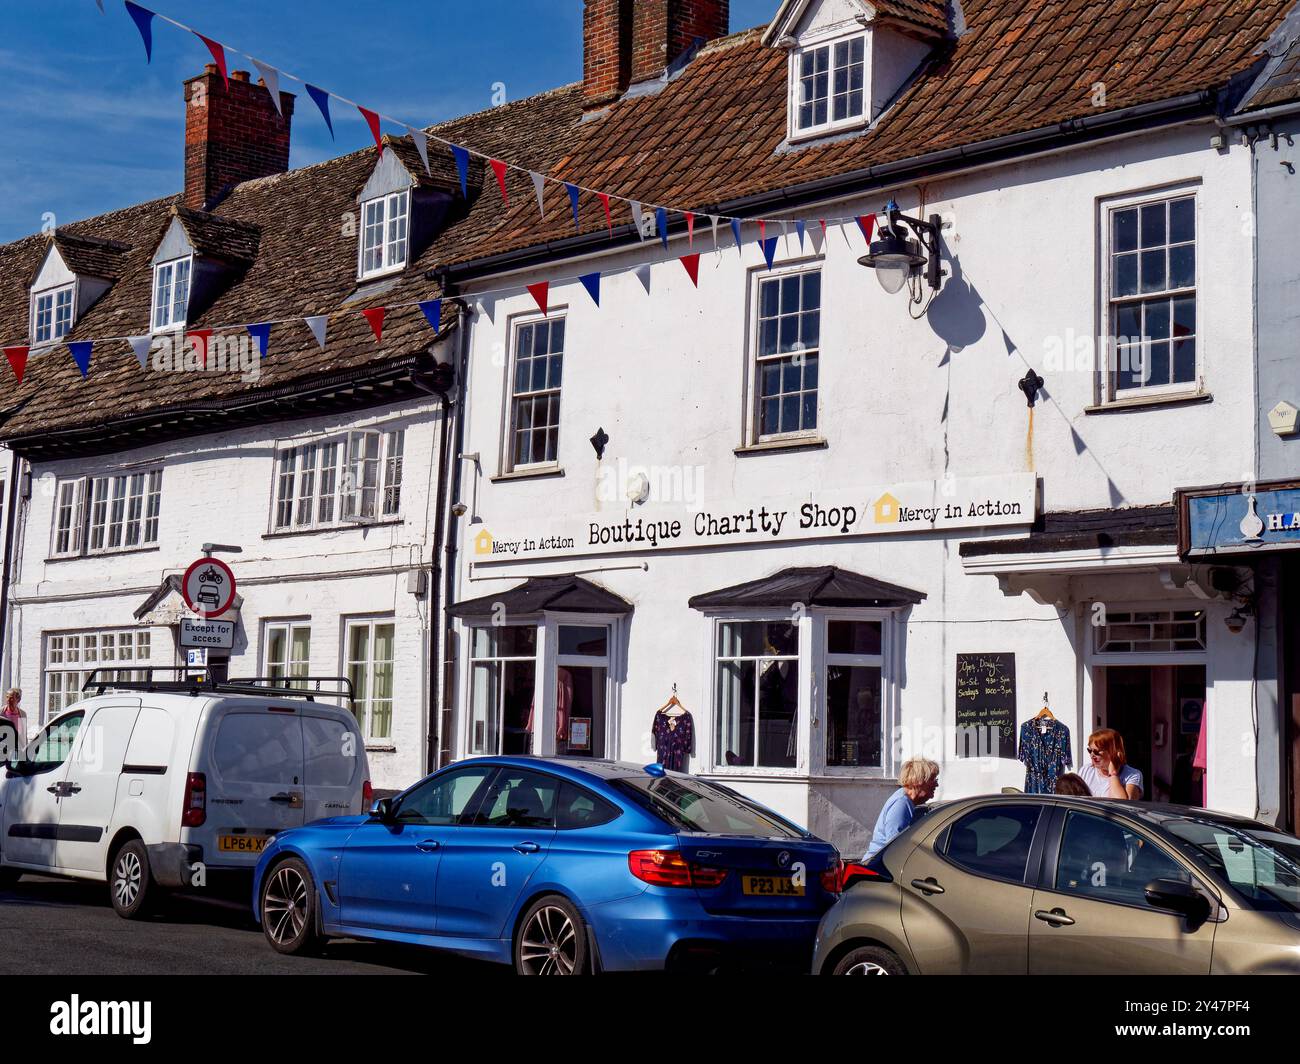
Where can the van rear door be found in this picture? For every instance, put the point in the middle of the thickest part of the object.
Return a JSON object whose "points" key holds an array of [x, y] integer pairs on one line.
{"points": [[335, 766], [254, 784]]}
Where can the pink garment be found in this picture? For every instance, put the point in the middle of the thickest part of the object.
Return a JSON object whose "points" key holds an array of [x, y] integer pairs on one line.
{"points": [[1198, 759], [563, 705]]}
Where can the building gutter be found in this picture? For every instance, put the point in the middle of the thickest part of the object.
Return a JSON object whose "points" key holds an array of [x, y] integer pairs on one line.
{"points": [[1058, 135], [1264, 114]]}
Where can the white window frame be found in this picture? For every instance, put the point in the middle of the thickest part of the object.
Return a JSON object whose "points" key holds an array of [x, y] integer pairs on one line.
{"points": [[69, 496], [390, 216], [337, 489], [754, 362], [1093, 655], [517, 325], [794, 132], [546, 661], [1109, 392], [293, 667], [169, 319], [889, 665], [54, 335], [73, 655], [113, 505], [363, 707]]}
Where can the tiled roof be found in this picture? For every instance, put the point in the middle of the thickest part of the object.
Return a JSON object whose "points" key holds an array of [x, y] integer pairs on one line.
{"points": [[306, 262], [1279, 81], [712, 134], [91, 257], [717, 132], [932, 14], [219, 237]]}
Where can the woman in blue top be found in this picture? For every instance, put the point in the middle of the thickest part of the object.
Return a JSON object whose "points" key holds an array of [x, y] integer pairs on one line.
{"points": [[918, 781]]}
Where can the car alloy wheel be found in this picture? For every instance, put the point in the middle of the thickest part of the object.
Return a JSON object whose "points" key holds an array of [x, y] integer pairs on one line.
{"points": [[284, 905], [866, 968], [127, 875], [550, 943]]}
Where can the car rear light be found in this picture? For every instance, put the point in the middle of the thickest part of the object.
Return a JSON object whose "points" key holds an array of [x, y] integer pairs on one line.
{"points": [[832, 878], [194, 811], [873, 871], [367, 795], [668, 868]]}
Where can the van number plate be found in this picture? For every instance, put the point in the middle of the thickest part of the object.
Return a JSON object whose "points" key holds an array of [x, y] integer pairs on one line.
{"points": [[242, 843]]}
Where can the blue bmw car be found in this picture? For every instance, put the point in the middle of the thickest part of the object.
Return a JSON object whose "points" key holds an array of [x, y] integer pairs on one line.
{"points": [[557, 866]]}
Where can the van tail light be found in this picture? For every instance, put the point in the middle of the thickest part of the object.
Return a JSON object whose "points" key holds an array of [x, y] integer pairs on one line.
{"points": [[833, 877], [668, 868], [195, 809], [367, 795]]}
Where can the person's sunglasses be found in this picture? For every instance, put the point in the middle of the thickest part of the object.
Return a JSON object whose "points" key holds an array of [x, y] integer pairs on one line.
{"points": [[1093, 752]]}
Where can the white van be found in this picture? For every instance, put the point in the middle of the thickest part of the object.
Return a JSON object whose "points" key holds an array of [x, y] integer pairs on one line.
{"points": [[151, 789]]}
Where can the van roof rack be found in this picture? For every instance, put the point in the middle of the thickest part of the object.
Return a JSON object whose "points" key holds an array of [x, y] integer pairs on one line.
{"points": [[184, 679]]}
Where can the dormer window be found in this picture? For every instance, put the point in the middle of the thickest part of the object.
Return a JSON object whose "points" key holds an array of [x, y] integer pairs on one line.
{"points": [[52, 314], [171, 293], [384, 233], [829, 82]]}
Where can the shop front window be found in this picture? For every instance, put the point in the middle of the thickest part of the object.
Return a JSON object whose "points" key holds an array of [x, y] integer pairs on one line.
{"points": [[582, 669], [757, 682], [503, 670], [854, 707]]}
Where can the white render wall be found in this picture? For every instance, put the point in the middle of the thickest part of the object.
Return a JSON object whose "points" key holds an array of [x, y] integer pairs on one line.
{"points": [[218, 488], [900, 400]]}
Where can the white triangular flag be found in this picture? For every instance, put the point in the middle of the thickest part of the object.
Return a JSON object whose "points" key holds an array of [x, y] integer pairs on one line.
{"points": [[539, 189], [141, 345], [638, 219], [643, 275], [272, 78], [317, 324], [713, 220], [421, 143]]}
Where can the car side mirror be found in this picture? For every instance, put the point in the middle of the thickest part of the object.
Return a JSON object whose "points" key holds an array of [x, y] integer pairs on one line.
{"points": [[382, 810], [1179, 896]]}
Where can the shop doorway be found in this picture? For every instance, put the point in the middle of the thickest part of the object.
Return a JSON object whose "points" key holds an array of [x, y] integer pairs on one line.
{"points": [[1158, 710]]}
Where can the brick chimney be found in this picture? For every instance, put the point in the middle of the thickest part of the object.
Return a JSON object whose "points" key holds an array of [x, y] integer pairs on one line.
{"points": [[232, 134], [626, 41]]}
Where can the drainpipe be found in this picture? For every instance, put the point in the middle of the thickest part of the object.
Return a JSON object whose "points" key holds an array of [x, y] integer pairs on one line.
{"points": [[11, 514]]}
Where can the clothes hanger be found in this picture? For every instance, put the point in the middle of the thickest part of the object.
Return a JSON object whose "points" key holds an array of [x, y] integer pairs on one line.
{"points": [[1044, 714], [681, 709]]}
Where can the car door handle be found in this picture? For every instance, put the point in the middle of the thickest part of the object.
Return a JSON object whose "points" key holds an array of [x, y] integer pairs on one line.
{"points": [[1056, 917], [56, 789], [427, 845], [526, 847], [929, 885], [284, 798], [71, 788]]}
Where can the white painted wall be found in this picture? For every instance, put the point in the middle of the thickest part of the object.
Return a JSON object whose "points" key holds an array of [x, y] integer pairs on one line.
{"points": [[218, 488], [664, 375]]}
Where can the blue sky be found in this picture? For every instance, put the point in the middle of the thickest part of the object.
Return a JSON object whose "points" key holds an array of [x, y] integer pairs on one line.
{"points": [[87, 126]]}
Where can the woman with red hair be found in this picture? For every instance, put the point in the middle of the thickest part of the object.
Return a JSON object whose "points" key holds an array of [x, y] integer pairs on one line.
{"points": [[1108, 773]]}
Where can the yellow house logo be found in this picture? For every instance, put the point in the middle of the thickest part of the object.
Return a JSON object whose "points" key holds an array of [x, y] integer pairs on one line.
{"points": [[483, 542], [885, 509]]}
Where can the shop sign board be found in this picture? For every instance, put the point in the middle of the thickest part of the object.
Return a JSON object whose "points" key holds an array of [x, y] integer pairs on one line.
{"points": [[956, 503], [219, 635], [1239, 519], [986, 705]]}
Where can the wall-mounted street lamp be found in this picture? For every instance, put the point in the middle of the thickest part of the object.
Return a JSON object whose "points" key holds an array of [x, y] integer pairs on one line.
{"points": [[897, 257]]}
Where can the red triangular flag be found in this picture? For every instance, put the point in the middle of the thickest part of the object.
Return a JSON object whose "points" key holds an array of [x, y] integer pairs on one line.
{"points": [[762, 230], [609, 221], [17, 357], [372, 120], [867, 223], [539, 292], [202, 336], [499, 168], [375, 315], [692, 264], [823, 225], [218, 55], [690, 228]]}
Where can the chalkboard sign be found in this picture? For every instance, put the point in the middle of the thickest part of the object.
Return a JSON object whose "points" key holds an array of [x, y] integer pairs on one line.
{"points": [[986, 705]]}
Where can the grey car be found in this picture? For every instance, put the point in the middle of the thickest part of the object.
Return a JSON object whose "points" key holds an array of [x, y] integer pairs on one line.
{"points": [[1046, 884]]}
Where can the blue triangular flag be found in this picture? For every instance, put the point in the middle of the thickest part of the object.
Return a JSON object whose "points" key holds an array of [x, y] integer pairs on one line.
{"points": [[143, 18], [769, 249], [432, 309], [799, 228], [81, 354], [573, 200], [661, 223], [462, 168], [591, 282], [735, 229], [322, 99], [262, 334]]}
